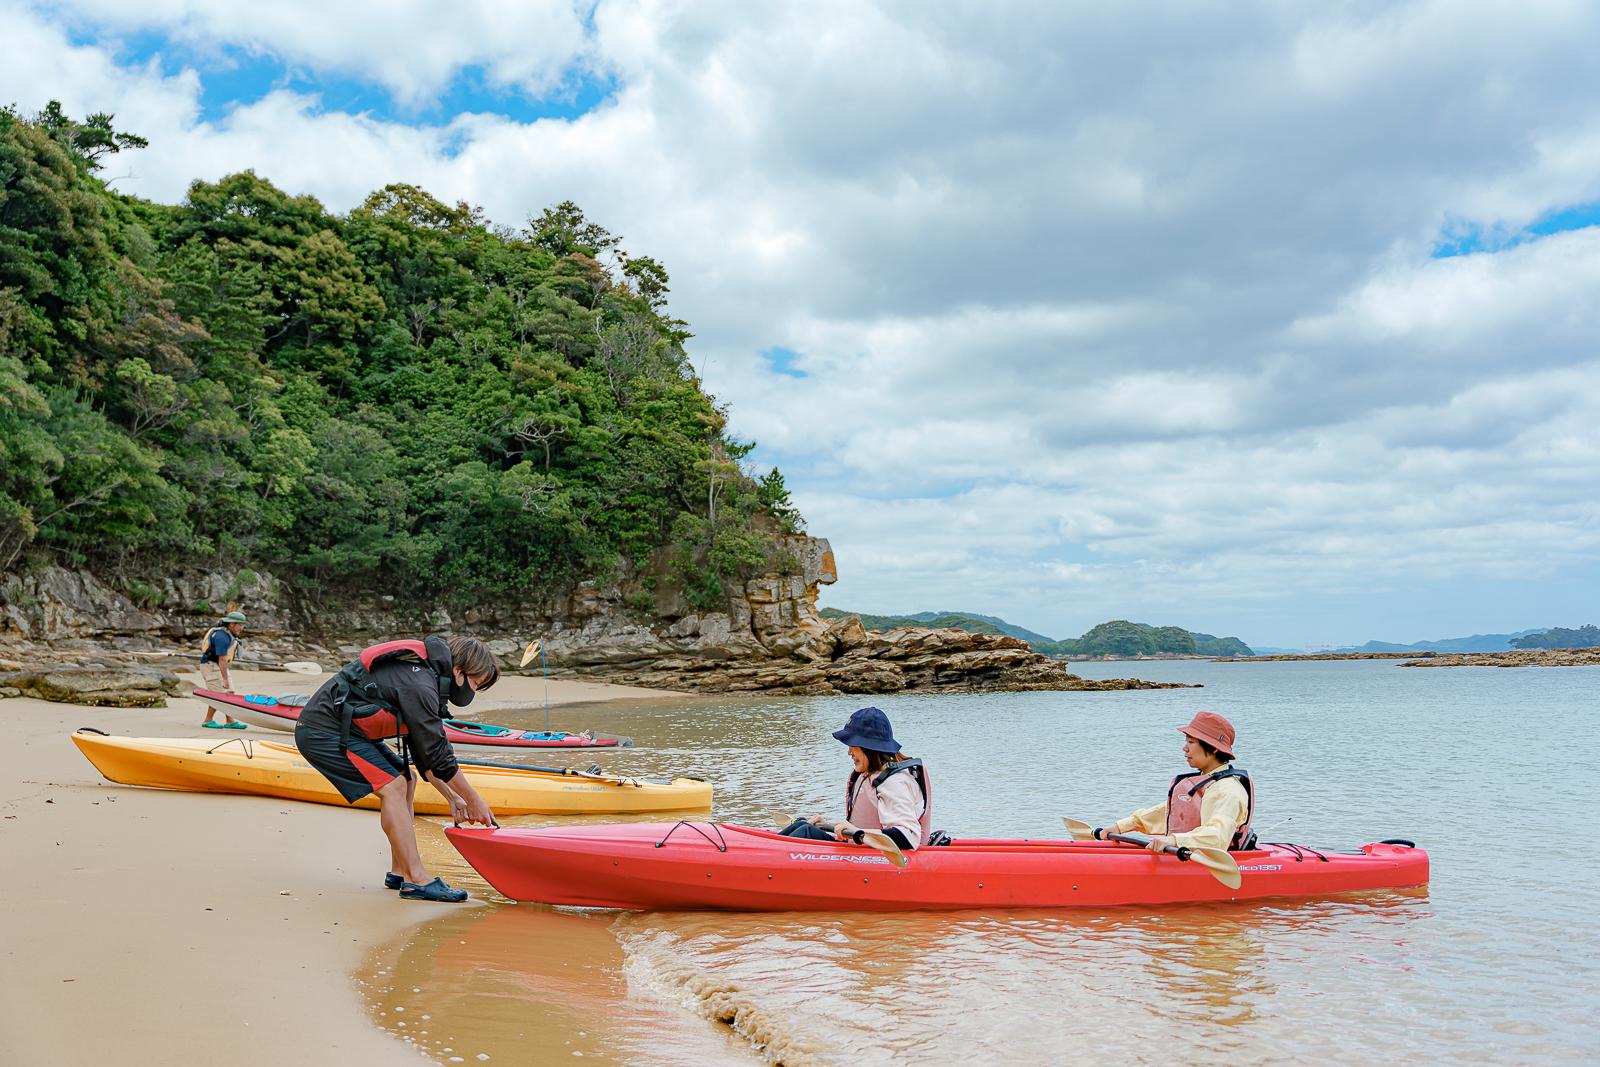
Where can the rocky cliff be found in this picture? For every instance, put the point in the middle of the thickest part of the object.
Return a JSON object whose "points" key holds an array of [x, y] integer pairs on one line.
{"points": [[769, 638]]}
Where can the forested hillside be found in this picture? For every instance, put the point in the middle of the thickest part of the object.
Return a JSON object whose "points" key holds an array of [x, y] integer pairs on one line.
{"points": [[403, 395], [1561, 637]]}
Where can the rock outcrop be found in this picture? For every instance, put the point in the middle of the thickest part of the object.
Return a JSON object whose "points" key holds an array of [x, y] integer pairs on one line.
{"points": [[1532, 657], [101, 687], [848, 659], [767, 637]]}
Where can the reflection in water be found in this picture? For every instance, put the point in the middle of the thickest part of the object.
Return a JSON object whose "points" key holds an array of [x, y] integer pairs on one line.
{"points": [[526, 985], [1488, 964]]}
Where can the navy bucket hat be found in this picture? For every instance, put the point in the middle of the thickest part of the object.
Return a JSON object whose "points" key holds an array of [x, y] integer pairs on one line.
{"points": [[869, 729]]}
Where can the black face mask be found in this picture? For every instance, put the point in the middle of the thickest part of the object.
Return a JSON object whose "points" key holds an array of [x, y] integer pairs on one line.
{"points": [[461, 694]]}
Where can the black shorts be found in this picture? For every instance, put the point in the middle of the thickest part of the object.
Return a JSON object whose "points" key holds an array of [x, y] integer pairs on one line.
{"points": [[364, 767]]}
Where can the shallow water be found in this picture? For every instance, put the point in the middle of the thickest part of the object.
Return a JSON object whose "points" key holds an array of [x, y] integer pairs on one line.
{"points": [[1495, 961]]}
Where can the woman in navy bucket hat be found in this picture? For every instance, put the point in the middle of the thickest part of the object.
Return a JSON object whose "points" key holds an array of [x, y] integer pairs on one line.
{"points": [[887, 790]]}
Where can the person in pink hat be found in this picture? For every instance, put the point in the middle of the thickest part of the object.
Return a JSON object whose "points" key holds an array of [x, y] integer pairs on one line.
{"points": [[1211, 806]]}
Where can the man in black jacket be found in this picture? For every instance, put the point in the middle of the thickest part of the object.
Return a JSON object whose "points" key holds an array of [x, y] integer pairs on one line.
{"points": [[399, 689]]}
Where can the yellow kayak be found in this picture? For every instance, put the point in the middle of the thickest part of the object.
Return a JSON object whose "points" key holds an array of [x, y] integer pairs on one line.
{"points": [[269, 769]]}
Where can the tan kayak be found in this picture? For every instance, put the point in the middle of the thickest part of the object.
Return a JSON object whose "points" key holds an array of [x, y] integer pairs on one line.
{"points": [[271, 769]]}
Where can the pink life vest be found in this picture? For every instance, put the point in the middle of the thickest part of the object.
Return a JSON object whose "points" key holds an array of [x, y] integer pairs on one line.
{"points": [[861, 796], [1183, 803]]}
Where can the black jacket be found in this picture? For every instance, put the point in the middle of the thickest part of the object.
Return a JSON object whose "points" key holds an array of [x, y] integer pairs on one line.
{"points": [[411, 691]]}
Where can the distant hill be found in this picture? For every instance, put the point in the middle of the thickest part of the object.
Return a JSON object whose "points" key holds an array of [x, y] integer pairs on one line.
{"points": [[937, 620], [928, 618], [1118, 638], [1475, 643]]}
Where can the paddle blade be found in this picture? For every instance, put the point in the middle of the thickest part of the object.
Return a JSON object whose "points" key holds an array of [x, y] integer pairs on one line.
{"points": [[780, 819], [1080, 831], [303, 667], [885, 844], [1223, 867], [529, 653]]}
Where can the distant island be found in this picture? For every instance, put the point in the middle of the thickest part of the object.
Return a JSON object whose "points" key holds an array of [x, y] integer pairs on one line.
{"points": [[1522, 640], [1117, 639]]}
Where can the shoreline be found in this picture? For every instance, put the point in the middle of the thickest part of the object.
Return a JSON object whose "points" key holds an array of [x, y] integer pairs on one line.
{"points": [[1302, 657], [1526, 657], [146, 919]]}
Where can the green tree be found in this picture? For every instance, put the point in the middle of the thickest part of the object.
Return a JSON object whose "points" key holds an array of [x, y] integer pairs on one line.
{"points": [[90, 140]]}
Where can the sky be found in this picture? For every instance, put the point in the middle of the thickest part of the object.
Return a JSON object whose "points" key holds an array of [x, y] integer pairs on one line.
{"points": [[1269, 320]]}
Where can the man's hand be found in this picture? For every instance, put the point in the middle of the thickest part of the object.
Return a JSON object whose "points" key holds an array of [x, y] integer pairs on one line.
{"points": [[1160, 843], [478, 812], [843, 829]]}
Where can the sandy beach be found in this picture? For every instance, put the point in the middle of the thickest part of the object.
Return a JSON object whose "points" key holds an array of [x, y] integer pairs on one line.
{"points": [[143, 927]]}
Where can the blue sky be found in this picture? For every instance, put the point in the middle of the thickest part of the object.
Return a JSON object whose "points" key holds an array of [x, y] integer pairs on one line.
{"points": [[233, 76], [1277, 322]]}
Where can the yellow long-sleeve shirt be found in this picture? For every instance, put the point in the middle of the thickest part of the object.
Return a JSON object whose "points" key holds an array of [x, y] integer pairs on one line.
{"points": [[1223, 809]]}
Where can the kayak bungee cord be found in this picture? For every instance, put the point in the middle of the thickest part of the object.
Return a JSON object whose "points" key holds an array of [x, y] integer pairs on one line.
{"points": [[720, 842], [243, 742], [1300, 851]]}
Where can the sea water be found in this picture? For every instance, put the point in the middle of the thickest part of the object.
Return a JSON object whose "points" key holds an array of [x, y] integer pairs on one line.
{"points": [[1496, 961]]}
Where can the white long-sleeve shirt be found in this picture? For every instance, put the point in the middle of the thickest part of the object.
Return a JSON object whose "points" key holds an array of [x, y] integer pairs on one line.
{"points": [[900, 804]]}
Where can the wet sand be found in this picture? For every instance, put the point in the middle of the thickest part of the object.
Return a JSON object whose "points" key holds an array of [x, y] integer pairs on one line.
{"points": [[143, 926]]}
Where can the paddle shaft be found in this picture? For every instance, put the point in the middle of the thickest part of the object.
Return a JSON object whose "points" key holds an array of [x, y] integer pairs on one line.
{"points": [[297, 668], [1144, 842], [566, 771]]}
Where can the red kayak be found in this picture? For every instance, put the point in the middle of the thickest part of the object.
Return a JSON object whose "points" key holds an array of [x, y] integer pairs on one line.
{"points": [[281, 713], [694, 866]]}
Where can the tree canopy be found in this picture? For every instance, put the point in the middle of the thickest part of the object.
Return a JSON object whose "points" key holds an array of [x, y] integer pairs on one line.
{"points": [[404, 395]]}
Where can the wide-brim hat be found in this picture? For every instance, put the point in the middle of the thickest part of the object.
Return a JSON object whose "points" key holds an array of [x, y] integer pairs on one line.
{"points": [[869, 729], [234, 616], [1213, 729]]}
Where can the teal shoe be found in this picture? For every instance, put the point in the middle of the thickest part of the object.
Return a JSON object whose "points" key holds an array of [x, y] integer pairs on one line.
{"points": [[212, 724], [236, 725]]}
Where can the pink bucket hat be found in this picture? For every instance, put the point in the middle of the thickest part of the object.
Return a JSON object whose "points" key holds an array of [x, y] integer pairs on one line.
{"points": [[1213, 729]]}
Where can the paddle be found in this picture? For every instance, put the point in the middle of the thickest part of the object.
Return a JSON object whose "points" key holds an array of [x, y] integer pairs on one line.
{"points": [[571, 772], [296, 666], [876, 838], [1223, 867], [536, 649]]}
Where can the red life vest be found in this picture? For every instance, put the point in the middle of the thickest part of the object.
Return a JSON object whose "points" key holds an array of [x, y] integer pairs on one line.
{"points": [[361, 704], [861, 796], [1186, 792]]}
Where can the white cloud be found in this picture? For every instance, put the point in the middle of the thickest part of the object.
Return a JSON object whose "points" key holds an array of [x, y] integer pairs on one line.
{"points": [[1100, 314]]}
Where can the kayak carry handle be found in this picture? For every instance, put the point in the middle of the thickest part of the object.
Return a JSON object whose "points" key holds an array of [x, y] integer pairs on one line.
{"points": [[90, 730], [1398, 841]]}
